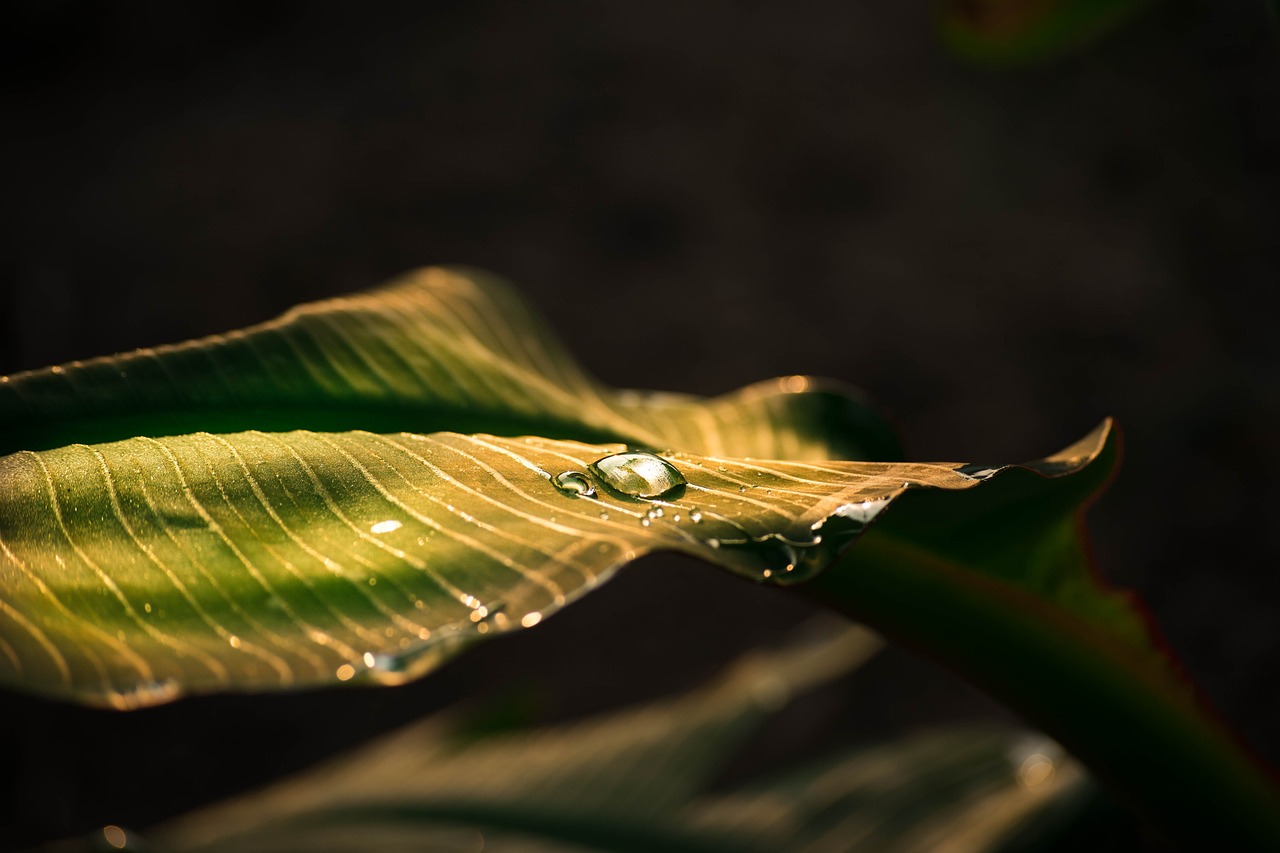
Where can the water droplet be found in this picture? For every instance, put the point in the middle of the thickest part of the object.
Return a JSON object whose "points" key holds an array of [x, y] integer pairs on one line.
{"points": [[604, 516], [696, 516], [638, 475], [654, 513], [368, 659], [796, 384], [234, 641], [115, 836], [531, 619], [1036, 770], [479, 613], [386, 526], [575, 484], [675, 517], [147, 606], [345, 672], [645, 522], [373, 581]]}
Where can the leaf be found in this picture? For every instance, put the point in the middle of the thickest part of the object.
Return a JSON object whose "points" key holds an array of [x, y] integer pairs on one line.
{"points": [[334, 526], [641, 778], [135, 571], [440, 349]]}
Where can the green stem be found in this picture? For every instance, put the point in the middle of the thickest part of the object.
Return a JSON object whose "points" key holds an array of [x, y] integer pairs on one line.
{"points": [[1157, 747]]}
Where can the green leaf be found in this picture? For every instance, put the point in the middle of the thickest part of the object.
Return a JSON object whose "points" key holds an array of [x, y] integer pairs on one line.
{"points": [[135, 571], [440, 349], [384, 478]]}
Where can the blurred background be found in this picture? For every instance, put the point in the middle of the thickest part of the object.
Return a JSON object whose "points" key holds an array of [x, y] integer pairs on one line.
{"points": [[697, 196]]}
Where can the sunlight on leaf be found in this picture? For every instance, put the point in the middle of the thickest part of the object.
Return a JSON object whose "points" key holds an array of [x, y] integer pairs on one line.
{"points": [[139, 570]]}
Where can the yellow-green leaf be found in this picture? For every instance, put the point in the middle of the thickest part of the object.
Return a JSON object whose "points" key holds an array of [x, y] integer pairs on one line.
{"points": [[138, 570]]}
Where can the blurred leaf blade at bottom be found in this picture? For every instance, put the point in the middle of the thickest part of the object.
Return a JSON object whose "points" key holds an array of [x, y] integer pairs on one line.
{"points": [[638, 780]]}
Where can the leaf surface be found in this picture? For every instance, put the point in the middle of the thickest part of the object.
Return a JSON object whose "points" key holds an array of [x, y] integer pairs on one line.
{"points": [[272, 550], [137, 570]]}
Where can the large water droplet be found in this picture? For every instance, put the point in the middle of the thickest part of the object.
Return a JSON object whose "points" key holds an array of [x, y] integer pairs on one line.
{"points": [[574, 483], [638, 475]]}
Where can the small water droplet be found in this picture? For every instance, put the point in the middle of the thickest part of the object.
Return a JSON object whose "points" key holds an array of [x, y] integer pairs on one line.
{"points": [[115, 836], [373, 581], [645, 522], [345, 672], [654, 513], [604, 516], [696, 516], [574, 484], [234, 641], [479, 613], [368, 659], [1036, 770], [638, 475], [147, 606], [675, 517], [386, 526], [531, 619]]}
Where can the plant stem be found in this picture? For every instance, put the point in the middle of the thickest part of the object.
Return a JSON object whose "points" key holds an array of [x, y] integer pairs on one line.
{"points": [[1159, 749]]}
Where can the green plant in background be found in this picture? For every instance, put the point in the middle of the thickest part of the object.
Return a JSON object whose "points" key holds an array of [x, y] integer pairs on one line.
{"points": [[1015, 32], [360, 489]]}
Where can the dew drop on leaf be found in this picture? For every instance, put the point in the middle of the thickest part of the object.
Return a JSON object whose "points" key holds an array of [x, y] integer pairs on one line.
{"points": [[637, 474], [573, 483]]}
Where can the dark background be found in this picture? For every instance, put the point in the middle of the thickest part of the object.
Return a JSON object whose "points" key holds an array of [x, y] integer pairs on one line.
{"points": [[697, 196]]}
